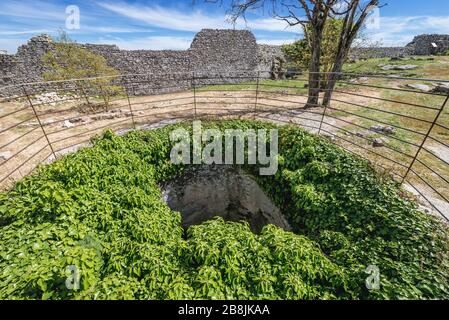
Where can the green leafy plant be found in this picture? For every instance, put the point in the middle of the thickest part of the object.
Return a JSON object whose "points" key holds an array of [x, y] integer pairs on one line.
{"points": [[101, 210], [69, 60], [299, 52]]}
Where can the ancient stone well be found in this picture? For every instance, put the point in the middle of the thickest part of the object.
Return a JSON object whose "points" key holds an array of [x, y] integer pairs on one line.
{"points": [[204, 192]]}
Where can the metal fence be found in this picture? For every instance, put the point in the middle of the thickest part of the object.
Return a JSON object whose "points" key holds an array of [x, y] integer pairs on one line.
{"points": [[402, 130]]}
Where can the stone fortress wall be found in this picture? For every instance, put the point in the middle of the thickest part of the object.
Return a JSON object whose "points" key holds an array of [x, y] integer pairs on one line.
{"points": [[422, 45], [220, 54], [223, 56]]}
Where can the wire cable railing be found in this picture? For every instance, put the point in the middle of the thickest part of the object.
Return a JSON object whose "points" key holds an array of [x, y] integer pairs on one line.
{"points": [[414, 151]]}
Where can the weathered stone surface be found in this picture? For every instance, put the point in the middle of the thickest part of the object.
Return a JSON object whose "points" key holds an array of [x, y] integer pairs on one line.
{"points": [[359, 80], [383, 129], [5, 155], [221, 190], [420, 46], [420, 87], [380, 52], [441, 87], [388, 67], [379, 142], [223, 54], [67, 124], [423, 44]]}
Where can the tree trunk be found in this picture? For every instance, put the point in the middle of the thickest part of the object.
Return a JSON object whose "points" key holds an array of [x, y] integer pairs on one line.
{"points": [[333, 77], [347, 36], [314, 74]]}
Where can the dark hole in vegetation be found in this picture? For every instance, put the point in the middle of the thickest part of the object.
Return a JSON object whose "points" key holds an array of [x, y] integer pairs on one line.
{"points": [[204, 192]]}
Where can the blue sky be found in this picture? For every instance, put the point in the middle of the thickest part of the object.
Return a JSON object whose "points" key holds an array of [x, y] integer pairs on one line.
{"points": [[172, 24]]}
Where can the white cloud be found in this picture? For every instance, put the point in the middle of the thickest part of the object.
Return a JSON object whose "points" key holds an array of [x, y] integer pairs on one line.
{"points": [[36, 10], [11, 45], [192, 21], [106, 29], [22, 32], [400, 30]]}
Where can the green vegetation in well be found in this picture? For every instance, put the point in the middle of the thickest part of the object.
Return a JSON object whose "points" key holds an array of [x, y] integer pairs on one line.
{"points": [[101, 210]]}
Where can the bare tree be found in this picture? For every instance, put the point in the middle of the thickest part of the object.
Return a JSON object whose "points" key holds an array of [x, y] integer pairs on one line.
{"points": [[316, 13], [354, 19], [312, 15]]}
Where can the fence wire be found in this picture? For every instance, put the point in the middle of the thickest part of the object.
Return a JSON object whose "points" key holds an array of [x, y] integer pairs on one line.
{"points": [[400, 130]]}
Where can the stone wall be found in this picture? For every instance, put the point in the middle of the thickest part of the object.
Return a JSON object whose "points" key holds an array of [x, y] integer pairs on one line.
{"points": [[423, 44], [220, 54], [272, 59], [381, 52]]}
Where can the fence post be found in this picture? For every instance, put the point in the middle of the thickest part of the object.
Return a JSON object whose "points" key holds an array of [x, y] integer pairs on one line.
{"points": [[192, 81], [129, 104], [38, 120], [425, 138], [257, 94]]}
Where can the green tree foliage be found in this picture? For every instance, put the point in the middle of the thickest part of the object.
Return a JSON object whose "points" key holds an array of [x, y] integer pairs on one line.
{"points": [[69, 60], [299, 52], [101, 210]]}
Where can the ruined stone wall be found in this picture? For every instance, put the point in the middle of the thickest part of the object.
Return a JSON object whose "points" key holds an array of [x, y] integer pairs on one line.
{"points": [[377, 53], [221, 54], [422, 44], [272, 59]]}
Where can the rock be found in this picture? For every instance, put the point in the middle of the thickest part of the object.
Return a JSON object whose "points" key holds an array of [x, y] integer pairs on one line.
{"points": [[362, 134], [104, 117], [359, 80], [441, 87], [383, 129], [389, 130], [329, 137], [50, 98], [76, 120], [388, 67], [67, 124], [379, 142], [28, 124], [5, 155], [48, 121], [420, 87], [377, 128]]}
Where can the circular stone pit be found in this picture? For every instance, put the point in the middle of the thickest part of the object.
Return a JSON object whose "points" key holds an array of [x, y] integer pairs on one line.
{"points": [[206, 191]]}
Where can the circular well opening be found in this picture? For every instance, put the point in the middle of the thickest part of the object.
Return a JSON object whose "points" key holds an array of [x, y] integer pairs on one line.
{"points": [[206, 191]]}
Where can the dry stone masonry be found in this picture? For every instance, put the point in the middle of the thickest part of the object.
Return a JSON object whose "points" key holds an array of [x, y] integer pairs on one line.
{"points": [[429, 44], [222, 54], [422, 45], [215, 56]]}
